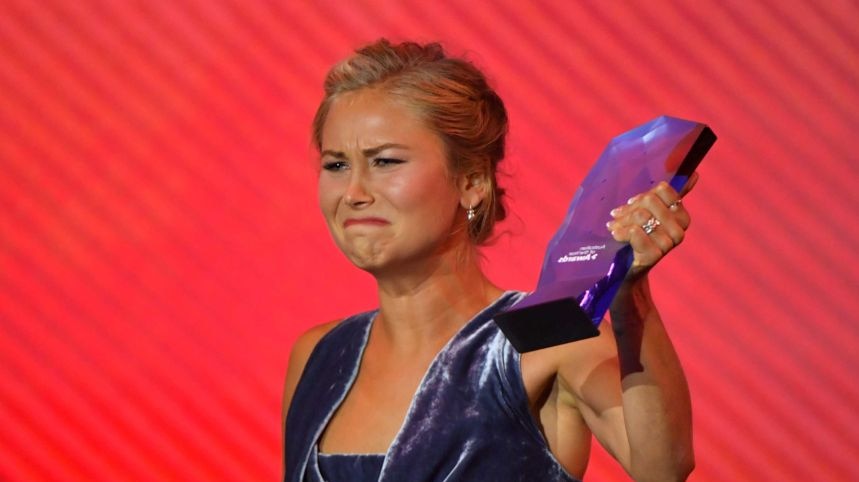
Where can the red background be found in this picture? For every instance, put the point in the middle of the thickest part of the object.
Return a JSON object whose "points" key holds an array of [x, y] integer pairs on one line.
{"points": [[161, 248]]}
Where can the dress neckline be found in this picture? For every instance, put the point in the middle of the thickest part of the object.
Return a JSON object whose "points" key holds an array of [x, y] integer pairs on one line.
{"points": [[346, 455], [350, 383]]}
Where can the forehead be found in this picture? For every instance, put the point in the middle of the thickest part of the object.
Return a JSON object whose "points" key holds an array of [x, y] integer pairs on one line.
{"points": [[369, 117]]}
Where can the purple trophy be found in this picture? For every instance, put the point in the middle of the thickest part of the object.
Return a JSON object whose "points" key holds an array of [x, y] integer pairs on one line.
{"points": [[584, 266]]}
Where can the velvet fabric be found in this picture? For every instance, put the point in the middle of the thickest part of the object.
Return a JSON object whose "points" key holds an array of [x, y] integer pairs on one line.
{"points": [[468, 421], [350, 467]]}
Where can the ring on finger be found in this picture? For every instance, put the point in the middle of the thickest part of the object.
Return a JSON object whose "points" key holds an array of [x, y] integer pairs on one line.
{"points": [[650, 225], [676, 204]]}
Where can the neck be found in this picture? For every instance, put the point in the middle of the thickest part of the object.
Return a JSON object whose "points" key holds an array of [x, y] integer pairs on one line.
{"points": [[424, 304]]}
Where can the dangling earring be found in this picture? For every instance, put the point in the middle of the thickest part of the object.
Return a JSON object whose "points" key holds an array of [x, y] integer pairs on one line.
{"points": [[470, 214]]}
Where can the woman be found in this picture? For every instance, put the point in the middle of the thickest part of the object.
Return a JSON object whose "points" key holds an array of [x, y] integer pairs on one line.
{"points": [[426, 387]]}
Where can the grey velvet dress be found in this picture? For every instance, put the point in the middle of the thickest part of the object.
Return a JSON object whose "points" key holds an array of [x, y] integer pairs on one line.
{"points": [[468, 421]]}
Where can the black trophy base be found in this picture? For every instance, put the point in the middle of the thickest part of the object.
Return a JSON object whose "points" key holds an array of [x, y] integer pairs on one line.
{"points": [[545, 325]]}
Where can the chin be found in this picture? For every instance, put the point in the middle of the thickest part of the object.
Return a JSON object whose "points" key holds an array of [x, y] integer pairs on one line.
{"points": [[380, 255], [371, 265], [370, 260]]}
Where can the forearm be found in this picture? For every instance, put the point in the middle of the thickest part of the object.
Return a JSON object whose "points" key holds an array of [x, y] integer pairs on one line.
{"points": [[656, 405]]}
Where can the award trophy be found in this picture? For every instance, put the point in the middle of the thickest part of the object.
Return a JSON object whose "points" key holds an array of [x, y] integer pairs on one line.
{"points": [[584, 266]]}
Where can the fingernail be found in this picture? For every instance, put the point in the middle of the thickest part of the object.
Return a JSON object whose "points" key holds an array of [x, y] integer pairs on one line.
{"points": [[608, 225], [631, 200], [613, 212]]}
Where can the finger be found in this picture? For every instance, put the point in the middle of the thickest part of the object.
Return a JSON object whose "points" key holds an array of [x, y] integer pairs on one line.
{"points": [[657, 200], [674, 219], [635, 217], [666, 235], [620, 211], [666, 193], [646, 251], [632, 216], [620, 222], [662, 241], [669, 232], [618, 232]]}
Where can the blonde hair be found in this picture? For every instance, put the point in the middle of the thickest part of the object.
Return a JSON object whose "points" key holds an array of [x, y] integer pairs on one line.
{"points": [[454, 99]]}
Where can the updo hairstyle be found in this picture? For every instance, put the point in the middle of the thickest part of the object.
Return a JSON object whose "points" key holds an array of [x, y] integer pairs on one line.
{"points": [[454, 99]]}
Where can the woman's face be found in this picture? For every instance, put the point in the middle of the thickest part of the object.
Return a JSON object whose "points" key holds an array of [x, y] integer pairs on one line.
{"points": [[385, 188]]}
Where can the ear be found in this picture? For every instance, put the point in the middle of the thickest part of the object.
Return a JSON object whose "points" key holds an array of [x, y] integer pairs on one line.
{"points": [[472, 189]]}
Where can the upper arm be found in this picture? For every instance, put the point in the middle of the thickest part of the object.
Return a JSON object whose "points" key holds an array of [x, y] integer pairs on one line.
{"points": [[589, 373], [301, 350]]}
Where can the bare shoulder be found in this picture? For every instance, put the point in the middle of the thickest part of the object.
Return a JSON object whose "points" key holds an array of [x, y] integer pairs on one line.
{"points": [[301, 350], [307, 341]]}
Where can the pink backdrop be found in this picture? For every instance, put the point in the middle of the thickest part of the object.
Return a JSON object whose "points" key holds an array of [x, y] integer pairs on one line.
{"points": [[161, 248]]}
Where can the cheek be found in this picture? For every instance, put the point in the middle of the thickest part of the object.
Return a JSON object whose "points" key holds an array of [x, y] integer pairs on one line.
{"points": [[327, 195], [429, 195]]}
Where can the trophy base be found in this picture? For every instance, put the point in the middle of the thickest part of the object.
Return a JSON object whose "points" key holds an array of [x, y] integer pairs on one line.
{"points": [[547, 324]]}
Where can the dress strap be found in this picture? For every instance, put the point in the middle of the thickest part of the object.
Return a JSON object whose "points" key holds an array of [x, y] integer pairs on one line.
{"points": [[327, 377]]}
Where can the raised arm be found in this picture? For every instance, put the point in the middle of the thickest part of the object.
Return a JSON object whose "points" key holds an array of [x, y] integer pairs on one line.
{"points": [[628, 384]]}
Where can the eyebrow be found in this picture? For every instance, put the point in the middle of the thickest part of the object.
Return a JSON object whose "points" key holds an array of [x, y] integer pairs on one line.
{"points": [[369, 152]]}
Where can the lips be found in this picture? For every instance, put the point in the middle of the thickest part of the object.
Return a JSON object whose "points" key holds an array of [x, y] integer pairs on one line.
{"points": [[365, 222]]}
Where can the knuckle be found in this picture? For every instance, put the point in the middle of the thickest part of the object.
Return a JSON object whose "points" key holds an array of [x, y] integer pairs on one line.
{"points": [[665, 188], [650, 198], [665, 244], [675, 232], [641, 215]]}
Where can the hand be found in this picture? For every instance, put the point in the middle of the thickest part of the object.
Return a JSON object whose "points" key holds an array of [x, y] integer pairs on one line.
{"points": [[662, 204]]}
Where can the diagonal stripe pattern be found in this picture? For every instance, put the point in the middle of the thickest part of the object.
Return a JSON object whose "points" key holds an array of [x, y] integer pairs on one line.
{"points": [[160, 248]]}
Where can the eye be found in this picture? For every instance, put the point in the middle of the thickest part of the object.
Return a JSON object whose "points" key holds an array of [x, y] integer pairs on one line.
{"points": [[386, 161], [334, 166]]}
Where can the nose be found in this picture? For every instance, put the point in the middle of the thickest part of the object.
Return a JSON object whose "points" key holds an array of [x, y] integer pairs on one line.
{"points": [[357, 195]]}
